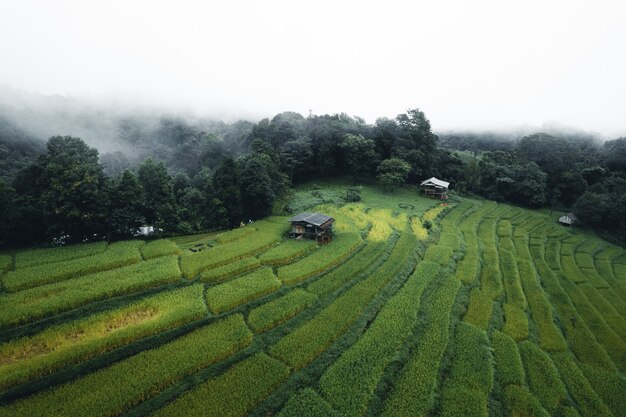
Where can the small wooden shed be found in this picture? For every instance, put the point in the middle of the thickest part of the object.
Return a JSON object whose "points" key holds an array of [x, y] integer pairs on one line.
{"points": [[312, 226], [434, 187], [569, 219]]}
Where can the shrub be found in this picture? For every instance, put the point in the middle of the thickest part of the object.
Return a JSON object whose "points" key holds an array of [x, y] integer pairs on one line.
{"points": [[239, 291], [269, 315], [144, 374]]}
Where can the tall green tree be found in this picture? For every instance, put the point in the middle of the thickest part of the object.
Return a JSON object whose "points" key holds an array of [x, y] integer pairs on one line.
{"points": [[256, 189], [74, 197], [393, 172], [159, 208], [227, 187], [416, 144], [360, 154], [126, 206]]}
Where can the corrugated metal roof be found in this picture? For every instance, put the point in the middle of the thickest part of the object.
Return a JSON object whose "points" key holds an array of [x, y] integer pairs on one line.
{"points": [[436, 182], [316, 219]]}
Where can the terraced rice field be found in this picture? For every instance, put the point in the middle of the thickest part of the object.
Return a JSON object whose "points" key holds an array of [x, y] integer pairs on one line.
{"points": [[494, 310]]}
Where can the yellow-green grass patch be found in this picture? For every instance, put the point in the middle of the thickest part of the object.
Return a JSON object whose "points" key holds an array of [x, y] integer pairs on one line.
{"points": [[543, 377], [305, 343], [275, 312], [117, 255], [479, 309], [515, 322], [112, 390], [33, 257], [286, 251], [241, 290], [28, 357], [225, 272], [36, 303], [413, 392], [307, 403], [509, 367], [158, 248], [349, 383], [322, 259], [233, 393]]}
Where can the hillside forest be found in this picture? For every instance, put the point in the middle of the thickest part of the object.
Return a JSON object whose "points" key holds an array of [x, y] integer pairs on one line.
{"points": [[185, 176]]}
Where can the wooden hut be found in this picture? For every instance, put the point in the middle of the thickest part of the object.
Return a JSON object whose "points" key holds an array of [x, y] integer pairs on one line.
{"points": [[434, 187], [569, 219], [312, 226]]}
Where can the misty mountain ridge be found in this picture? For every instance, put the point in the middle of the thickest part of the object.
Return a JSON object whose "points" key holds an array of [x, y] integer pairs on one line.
{"points": [[126, 134]]}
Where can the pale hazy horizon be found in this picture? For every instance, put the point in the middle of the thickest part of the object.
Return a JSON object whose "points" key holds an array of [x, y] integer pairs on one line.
{"points": [[483, 65]]}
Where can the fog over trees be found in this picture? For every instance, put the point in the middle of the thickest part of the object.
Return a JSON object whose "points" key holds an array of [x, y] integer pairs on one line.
{"points": [[188, 174]]}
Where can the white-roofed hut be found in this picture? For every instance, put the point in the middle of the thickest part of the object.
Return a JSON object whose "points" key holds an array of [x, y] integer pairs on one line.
{"points": [[434, 187], [569, 219]]}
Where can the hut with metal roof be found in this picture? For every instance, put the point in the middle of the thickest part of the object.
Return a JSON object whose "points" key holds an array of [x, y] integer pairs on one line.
{"points": [[434, 187], [312, 226], [569, 219]]}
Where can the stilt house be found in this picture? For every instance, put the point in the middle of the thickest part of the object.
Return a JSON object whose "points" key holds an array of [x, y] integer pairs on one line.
{"points": [[434, 187], [312, 226], [569, 219]]}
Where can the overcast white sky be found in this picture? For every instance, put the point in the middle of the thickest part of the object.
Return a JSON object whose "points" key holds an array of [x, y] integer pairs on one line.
{"points": [[467, 64]]}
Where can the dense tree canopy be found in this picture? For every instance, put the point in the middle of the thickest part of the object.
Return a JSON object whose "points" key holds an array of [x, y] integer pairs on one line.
{"points": [[184, 177]]}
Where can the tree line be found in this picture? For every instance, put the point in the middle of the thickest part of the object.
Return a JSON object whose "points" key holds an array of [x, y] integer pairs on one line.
{"points": [[191, 180], [540, 170]]}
